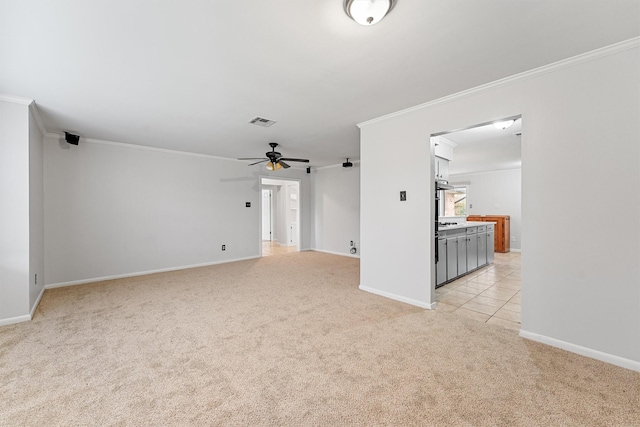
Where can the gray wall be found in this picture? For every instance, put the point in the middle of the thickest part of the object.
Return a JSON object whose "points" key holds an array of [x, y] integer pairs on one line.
{"points": [[21, 211], [579, 285], [14, 213], [336, 208], [36, 213], [113, 210]]}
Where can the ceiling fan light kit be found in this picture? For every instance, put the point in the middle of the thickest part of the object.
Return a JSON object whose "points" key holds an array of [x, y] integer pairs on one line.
{"points": [[368, 12]]}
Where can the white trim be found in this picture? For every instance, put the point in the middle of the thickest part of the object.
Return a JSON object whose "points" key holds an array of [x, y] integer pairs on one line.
{"points": [[17, 319], [583, 351], [36, 115], [400, 298], [336, 165], [29, 103], [454, 175], [143, 273], [35, 305], [515, 250], [565, 63], [160, 150], [334, 253], [17, 99]]}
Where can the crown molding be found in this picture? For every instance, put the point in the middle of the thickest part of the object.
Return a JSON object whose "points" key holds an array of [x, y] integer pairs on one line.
{"points": [[336, 165], [156, 149], [564, 63], [15, 99], [29, 103], [33, 107]]}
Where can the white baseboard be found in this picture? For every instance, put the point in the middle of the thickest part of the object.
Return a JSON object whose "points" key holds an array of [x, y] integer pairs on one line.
{"points": [[334, 253], [583, 351], [26, 317], [515, 250], [35, 305], [17, 319], [400, 298], [143, 273]]}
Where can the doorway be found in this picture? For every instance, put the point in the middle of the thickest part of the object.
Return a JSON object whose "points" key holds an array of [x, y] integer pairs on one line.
{"points": [[280, 216], [478, 229]]}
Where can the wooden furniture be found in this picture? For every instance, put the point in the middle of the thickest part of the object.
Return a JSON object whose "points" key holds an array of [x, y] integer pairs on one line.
{"points": [[502, 235]]}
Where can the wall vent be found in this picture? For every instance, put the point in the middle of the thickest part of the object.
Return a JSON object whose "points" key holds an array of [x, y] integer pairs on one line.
{"points": [[261, 121]]}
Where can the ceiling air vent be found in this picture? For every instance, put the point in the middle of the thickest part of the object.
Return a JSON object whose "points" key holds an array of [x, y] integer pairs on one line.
{"points": [[261, 121]]}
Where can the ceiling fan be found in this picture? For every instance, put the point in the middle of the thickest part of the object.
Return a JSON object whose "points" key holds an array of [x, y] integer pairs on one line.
{"points": [[275, 159]]}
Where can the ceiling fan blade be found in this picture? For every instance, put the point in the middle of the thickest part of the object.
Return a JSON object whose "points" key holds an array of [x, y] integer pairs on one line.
{"points": [[251, 158], [261, 161], [284, 165], [294, 160]]}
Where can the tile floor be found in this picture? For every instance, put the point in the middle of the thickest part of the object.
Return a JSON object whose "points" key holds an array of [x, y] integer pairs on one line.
{"points": [[273, 248], [490, 294]]}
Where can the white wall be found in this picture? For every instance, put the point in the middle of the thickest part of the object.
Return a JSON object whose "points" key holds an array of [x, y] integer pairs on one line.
{"points": [[495, 193], [579, 284], [336, 208], [114, 209], [14, 211]]}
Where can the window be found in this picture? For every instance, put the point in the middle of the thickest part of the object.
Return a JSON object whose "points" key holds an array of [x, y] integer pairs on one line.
{"points": [[455, 201]]}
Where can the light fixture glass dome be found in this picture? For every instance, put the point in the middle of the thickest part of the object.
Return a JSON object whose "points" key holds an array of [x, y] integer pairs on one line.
{"points": [[368, 12]]}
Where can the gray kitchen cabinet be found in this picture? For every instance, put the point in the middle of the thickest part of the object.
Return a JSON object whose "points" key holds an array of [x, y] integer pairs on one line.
{"points": [[441, 266], [472, 248], [452, 258], [490, 243], [462, 254], [461, 250], [482, 248]]}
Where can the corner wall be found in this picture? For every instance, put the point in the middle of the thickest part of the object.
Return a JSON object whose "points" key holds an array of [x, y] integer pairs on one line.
{"points": [[113, 210], [336, 209], [14, 212], [579, 285]]}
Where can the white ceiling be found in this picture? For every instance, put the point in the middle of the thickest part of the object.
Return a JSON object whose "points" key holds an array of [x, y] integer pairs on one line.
{"points": [[189, 75], [485, 148]]}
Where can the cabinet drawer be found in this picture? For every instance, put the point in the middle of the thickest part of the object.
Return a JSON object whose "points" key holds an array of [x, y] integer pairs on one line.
{"points": [[491, 227], [472, 230], [482, 229]]}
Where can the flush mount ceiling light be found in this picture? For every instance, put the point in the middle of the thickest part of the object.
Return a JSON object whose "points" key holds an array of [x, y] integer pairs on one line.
{"points": [[504, 124], [368, 12]]}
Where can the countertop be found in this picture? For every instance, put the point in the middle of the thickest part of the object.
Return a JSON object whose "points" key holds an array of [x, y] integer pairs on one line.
{"points": [[464, 225]]}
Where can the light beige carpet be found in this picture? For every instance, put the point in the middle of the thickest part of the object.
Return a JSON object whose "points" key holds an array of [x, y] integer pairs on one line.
{"points": [[286, 340]]}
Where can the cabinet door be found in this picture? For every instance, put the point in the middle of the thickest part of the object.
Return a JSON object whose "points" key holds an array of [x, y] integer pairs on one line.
{"points": [[452, 258], [444, 169], [441, 167], [482, 249], [490, 246], [441, 266], [472, 252], [462, 255]]}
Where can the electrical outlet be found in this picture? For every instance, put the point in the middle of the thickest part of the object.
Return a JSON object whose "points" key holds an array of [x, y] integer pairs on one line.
{"points": [[351, 243], [224, 247], [403, 196], [513, 239]]}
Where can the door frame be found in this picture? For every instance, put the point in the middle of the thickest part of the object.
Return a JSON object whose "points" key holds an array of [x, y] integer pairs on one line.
{"points": [[283, 182]]}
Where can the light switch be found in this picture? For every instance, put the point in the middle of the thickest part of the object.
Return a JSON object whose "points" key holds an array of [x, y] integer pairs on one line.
{"points": [[403, 196]]}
